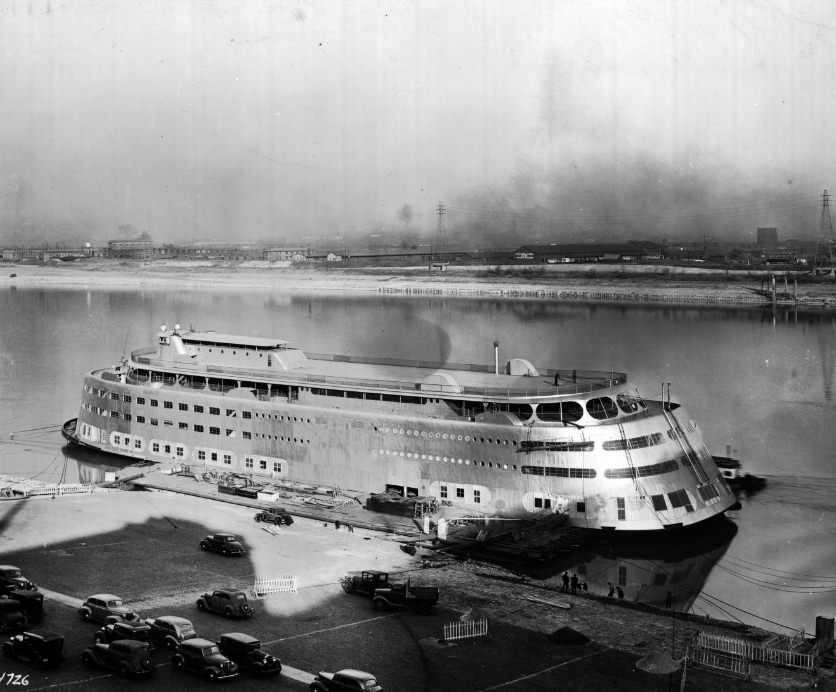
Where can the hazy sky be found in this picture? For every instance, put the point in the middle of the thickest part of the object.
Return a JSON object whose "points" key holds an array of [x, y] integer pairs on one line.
{"points": [[240, 120]]}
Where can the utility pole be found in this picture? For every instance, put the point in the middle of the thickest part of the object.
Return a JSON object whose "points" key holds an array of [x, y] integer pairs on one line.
{"points": [[441, 234], [823, 261]]}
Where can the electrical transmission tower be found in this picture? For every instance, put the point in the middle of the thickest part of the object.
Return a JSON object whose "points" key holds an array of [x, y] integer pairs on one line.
{"points": [[441, 235], [823, 261]]}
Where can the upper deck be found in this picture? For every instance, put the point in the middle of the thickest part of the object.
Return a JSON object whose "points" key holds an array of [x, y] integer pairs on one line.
{"points": [[217, 356]]}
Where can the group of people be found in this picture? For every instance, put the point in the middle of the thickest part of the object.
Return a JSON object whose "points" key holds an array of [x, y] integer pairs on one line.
{"points": [[574, 584]]}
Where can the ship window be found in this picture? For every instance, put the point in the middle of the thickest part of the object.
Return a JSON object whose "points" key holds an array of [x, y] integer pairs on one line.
{"points": [[477, 497], [246, 414], [126, 416], [183, 407], [140, 419], [117, 440], [569, 411], [180, 451], [201, 455], [198, 428], [114, 414], [622, 575], [277, 467], [622, 512], [213, 456], [538, 502], [154, 421], [168, 449], [602, 408], [168, 404], [248, 462], [460, 492], [230, 433], [629, 403], [659, 504], [168, 423], [155, 447], [262, 464], [679, 498], [138, 443], [183, 426], [154, 402], [114, 396], [247, 435], [214, 411], [227, 459], [231, 412], [198, 408], [443, 491], [127, 398], [214, 431], [707, 492], [580, 507]]}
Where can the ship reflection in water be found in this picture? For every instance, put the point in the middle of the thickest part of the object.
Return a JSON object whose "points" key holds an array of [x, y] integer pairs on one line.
{"points": [[93, 466], [646, 569]]}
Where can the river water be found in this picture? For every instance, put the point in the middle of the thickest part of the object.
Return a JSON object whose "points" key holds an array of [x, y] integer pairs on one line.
{"points": [[759, 383]]}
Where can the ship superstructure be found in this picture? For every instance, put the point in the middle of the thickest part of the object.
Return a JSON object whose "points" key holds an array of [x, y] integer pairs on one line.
{"points": [[507, 442]]}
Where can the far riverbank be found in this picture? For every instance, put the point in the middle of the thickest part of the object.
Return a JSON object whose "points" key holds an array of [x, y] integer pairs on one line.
{"points": [[590, 283]]}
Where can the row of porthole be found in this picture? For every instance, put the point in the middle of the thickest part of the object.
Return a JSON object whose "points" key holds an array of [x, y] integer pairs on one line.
{"points": [[281, 438], [443, 436], [452, 460], [276, 416]]}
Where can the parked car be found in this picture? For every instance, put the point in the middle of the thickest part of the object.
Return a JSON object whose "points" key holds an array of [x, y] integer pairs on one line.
{"points": [[223, 543], [275, 515], [204, 658], [344, 680], [114, 631], [365, 582], [230, 603], [128, 657], [31, 603], [12, 578], [170, 630], [38, 647], [12, 617], [101, 606], [247, 653]]}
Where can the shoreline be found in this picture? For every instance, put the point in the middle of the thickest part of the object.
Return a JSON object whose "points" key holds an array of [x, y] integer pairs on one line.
{"points": [[634, 284]]}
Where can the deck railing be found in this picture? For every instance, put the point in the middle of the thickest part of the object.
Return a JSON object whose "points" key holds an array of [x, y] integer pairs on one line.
{"points": [[590, 380]]}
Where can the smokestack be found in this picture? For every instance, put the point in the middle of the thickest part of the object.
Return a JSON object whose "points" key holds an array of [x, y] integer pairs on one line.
{"points": [[496, 357]]}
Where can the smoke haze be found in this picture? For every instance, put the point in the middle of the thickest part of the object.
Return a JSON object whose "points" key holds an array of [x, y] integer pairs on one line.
{"points": [[542, 119]]}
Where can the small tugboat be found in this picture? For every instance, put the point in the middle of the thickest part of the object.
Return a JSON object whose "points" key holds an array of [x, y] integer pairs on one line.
{"points": [[732, 471]]}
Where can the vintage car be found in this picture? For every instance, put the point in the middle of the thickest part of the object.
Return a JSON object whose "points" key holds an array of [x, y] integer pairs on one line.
{"points": [[31, 603], [38, 647], [231, 603], [12, 578], [204, 658], [105, 607], [170, 630], [128, 657], [246, 651], [275, 515], [223, 543], [113, 631], [344, 680], [12, 617]]}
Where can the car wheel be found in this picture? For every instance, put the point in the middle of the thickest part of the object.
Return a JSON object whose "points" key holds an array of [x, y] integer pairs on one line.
{"points": [[124, 670], [170, 643], [86, 659], [212, 675], [246, 609], [288, 520], [379, 604], [228, 613], [203, 546], [258, 518], [201, 605], [178, 662], [225, 552]]}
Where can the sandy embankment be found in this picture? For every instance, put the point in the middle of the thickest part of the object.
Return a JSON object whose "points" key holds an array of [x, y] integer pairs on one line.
{"points": [[558, 282]]}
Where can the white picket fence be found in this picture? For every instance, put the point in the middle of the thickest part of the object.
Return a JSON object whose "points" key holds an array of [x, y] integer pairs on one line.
{"points": [[262, 587], [466, 630], [60, 489]]}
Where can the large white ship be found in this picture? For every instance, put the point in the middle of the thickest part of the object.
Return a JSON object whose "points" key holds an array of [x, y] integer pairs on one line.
{"points": [[511, 441]]}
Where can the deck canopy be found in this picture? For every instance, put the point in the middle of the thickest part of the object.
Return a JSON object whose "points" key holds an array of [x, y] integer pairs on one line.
{"points": [[216, 339]]}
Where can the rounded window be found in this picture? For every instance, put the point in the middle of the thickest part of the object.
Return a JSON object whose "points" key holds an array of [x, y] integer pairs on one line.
{"points": [[560, 411], [602, 408]]}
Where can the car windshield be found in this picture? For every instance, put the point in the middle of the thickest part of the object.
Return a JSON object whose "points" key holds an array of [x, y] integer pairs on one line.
{"points": [[12, 573], [211, 650], [229, 539], [370, 683], [241, 597], [185, 627], [114, 603]]}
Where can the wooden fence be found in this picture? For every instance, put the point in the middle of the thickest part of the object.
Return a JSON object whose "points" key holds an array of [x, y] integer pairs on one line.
{"points": [[59, 489], [762, 652], [262, 587], [466, 630]]}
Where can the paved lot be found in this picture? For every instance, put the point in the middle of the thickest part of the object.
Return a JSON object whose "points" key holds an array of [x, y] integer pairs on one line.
{"points": [[144, 547]]}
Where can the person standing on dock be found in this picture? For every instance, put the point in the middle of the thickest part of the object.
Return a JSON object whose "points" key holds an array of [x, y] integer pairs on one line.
{"points": [[669, 600], [565, 579], [574, 583], [612, 589], [620, 593]]}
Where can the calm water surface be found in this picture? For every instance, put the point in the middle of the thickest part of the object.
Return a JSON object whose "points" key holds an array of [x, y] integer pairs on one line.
{"points": [[760, 384]]}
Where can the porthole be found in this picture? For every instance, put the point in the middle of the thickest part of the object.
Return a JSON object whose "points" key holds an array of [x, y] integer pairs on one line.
{"points": [[466, 462], [423, 433], [438, 458], [444, 436], [467, 438], [460, 438], [401, 431], [461, 460], [445, 459], [409, 432], [409, 455]]}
